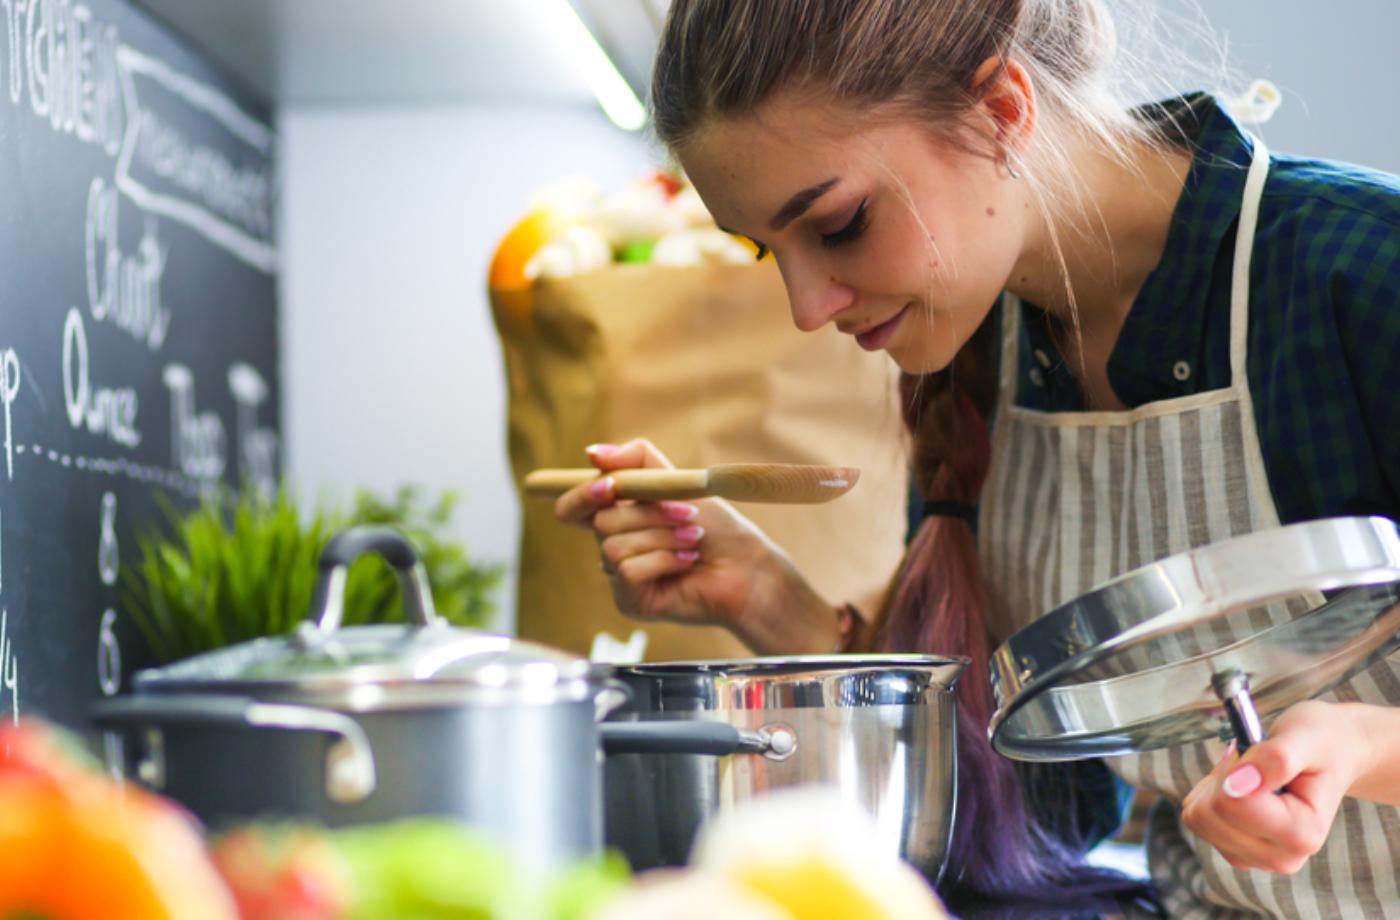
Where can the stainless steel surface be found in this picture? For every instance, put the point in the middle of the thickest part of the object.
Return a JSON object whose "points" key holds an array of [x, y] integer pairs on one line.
{"points": [[1232, 687], [1131, 666], [879, 728], [349, 763], [386, 722], [718, 738], [367, 668], [328, 603], [528, 775]]}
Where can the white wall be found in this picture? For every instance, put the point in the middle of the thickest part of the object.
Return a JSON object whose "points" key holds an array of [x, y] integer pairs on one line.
{"points": [[1334, 62], [389, 216]]}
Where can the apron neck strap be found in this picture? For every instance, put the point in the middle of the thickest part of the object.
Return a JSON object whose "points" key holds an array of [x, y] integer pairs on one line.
{"points": [[1244, 249], [1010, 340]]}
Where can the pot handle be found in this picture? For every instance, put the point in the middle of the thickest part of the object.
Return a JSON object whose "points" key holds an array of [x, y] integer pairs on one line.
{"points": [[613, 695], [716, 738], [328, 603], [350, 773]]}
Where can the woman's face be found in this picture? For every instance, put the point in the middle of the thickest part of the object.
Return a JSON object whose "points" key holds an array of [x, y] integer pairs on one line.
{"points": [[897, 238]]}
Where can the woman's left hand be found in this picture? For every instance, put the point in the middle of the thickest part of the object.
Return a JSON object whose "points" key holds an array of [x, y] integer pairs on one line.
{"points": [[1273, 808]]}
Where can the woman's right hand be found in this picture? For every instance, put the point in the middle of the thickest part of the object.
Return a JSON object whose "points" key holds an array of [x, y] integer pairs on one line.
{"points": [[699, 562]]}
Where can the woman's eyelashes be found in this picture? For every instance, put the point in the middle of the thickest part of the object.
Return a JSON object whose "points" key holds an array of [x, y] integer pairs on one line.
{"points": [[849, 233], [852, 231]]}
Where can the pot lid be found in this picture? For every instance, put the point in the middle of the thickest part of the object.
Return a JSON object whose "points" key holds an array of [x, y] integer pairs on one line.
{"points": [[403, 659], [364, 667], [1183, 650]]}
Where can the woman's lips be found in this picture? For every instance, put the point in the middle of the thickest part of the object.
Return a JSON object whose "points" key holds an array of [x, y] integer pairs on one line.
{"points": [[877, 338]]}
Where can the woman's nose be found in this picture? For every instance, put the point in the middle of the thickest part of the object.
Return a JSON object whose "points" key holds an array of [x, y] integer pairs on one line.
{"points": [[815, 298]]}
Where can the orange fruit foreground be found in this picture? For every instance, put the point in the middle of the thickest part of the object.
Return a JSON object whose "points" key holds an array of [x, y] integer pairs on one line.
{"points": [[79, 847]]}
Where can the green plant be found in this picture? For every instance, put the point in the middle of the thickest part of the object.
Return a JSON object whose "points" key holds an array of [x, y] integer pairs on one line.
{"points": [[236, 569]]}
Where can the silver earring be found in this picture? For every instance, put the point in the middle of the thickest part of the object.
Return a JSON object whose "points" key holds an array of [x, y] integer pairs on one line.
{"points": [[1010, 160]]}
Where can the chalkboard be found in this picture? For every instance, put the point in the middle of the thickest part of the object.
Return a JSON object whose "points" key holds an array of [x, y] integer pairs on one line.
{"points": [[138, 329]]}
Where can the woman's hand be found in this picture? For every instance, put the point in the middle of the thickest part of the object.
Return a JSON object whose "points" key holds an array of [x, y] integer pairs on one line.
{"points": [[698, 562], [1273, 808]]}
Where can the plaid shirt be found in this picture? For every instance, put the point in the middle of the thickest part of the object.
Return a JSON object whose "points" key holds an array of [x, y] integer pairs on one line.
{"points": [[1324, 320]]}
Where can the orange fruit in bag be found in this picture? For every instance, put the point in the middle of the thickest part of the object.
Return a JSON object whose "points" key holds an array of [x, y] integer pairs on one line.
{"points": [[519, 245]]}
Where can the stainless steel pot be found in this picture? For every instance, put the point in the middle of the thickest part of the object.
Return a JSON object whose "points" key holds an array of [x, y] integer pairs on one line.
{"points": [[373, 723], [880, 728]]}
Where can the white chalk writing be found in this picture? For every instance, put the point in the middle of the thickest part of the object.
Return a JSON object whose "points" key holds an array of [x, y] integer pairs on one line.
{"points": [[9, 665], [124, 288], [197, 438], [257, 447], [226, 197], [14, 13], [109, 656], [104, 411], [70, 62], [9, 391], [108, 558]]}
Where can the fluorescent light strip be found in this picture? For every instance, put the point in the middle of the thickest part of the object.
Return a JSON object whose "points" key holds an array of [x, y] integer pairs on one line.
{"points": [[621, 105]]}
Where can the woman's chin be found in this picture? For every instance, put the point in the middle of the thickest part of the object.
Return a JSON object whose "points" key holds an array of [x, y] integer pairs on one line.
{"points": [[918, 361]]}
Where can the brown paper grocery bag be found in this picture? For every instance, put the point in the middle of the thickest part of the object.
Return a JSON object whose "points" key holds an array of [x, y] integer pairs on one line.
{"points": [[706, 363]]}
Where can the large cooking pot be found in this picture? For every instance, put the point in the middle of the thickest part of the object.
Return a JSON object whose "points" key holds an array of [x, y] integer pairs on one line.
{"points": [[880, 728], [372, 723]]}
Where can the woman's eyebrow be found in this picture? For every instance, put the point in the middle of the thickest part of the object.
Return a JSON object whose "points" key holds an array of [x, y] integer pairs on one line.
{"points": [[798, 204]]}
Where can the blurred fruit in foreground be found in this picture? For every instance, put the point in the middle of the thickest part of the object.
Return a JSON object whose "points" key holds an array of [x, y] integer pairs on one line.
{"points": [[283, 873], [414, 869], [677, 894], [78, 846], [804, 854]]}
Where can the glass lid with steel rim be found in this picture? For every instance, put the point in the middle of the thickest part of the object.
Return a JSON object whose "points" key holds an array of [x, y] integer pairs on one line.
{"points": [[1203, 644], [421, 661]]}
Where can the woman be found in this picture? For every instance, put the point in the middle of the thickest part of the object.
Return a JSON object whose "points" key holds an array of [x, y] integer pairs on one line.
{"points": [[1174, 338]]}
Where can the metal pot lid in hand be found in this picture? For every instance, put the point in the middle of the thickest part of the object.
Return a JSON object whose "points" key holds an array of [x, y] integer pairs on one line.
{"points": [[1182, 650], [424, 662]]}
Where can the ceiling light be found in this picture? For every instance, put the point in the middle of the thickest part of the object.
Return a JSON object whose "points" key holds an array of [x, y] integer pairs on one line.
{"points": [[620, 104]]}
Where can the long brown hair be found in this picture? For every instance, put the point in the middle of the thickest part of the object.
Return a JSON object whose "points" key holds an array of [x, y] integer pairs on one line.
{"points": [[916, 59]]}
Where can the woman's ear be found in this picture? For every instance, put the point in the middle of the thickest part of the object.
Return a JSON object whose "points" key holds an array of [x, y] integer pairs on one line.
{"points": [[1008, 100]]}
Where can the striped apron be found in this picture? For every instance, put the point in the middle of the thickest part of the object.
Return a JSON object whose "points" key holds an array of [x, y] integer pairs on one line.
{"points": [[1075, 498]]}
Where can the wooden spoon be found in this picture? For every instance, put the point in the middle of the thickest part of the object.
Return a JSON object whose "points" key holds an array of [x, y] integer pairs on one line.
{"points": [[741, 482]]}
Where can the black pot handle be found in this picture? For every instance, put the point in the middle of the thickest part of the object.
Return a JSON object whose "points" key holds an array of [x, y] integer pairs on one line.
{"points": [[685, 737], [328, 604], [349, 545]]}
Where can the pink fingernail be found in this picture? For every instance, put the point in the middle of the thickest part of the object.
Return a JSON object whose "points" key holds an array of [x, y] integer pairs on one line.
{"points": [[691, 534], [601, 487], [1243, 781], [600, 450], [679, 511], [687, 555]]}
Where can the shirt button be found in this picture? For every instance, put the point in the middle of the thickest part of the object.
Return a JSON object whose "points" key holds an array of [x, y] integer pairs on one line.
{"points": [[1181, 371], [1042, 358], [1037, 377]]}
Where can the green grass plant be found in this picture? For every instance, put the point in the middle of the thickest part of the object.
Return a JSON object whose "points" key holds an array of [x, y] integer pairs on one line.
{"points": [[236, 568]]}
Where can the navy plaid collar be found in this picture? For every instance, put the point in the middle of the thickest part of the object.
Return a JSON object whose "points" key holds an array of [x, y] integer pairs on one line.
{"points": [[1169, 322]]}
